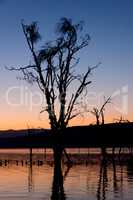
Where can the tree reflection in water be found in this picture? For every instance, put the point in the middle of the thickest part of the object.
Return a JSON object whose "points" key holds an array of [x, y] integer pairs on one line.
{"points": [[57, 187], [58, 179], [30, 173], [103, 180], [103, 183], [103, 187], [115, 184]]}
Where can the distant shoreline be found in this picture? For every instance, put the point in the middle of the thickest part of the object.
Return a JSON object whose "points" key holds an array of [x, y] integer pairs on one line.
{"points": [[108, 135]]}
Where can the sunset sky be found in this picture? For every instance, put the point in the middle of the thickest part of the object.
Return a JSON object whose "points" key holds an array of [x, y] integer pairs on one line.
{"points": [[110, 25]]}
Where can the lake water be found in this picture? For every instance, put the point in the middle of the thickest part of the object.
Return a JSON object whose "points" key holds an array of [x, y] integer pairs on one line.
{"points": [[90, 178]]}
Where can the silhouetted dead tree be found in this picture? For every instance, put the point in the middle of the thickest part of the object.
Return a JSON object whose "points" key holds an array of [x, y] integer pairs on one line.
{"points": [[53, 69], [99, 113], [121, 120]]}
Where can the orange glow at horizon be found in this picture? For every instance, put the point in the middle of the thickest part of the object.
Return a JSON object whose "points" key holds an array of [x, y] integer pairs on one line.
{"points": [[24, 120]]}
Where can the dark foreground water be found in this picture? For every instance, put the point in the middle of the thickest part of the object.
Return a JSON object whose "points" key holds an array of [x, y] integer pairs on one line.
{"points": [[91, 178]]}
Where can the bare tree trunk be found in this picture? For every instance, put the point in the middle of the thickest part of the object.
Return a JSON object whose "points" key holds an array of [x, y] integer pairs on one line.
{"points": [[97, 120]]}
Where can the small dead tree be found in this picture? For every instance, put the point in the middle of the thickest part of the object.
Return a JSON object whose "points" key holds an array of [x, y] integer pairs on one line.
{"points": [[95, 112], [53, 69], [99, 112], [121, 120]]}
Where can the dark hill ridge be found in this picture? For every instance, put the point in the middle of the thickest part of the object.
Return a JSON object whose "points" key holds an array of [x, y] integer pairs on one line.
{"points": [[21, 133], [108, 135]]}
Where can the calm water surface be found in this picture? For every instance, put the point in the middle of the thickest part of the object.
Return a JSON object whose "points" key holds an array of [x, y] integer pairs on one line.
{"points": [[94, 179]]}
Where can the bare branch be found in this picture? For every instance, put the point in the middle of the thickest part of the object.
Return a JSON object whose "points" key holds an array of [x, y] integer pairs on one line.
{"points": [[53, 69], [99, 113]]}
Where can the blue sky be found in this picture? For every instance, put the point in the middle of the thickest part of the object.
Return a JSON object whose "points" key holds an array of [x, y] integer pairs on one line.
{"points": [[109, 23]]}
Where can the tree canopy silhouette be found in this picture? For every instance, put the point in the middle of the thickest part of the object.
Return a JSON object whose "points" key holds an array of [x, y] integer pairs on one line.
{"points": [[53, 69]]}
